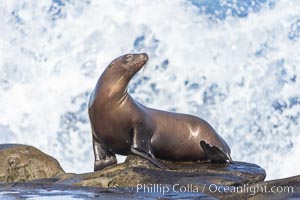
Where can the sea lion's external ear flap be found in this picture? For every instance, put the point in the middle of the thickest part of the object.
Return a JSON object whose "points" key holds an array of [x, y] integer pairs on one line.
{"points": [[215, 154]]}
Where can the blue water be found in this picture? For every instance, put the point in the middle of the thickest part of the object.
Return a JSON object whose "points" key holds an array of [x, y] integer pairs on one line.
{"points": [[233, 63], [218, 9]]}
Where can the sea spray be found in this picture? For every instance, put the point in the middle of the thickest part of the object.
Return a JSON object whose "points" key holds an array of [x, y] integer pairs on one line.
{"points": [[235, 65]]}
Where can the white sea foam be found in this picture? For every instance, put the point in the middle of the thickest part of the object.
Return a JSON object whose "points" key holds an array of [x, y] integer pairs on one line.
{"points": [[240, 74]]}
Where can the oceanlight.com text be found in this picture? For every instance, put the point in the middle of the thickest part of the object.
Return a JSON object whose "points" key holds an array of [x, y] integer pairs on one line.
{"points": [[211, 188]]}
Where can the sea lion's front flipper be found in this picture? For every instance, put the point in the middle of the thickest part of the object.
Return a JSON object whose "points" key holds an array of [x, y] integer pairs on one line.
{"points": [[146, 156], [141, 145], [215, 154], [103, 157]]}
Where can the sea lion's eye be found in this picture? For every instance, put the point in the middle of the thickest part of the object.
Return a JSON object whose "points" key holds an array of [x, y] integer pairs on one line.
{"points": [[126, 59]]}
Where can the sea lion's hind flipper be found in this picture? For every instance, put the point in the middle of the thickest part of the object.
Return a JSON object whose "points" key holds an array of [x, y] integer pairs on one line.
{"points": [[215, 154], [103, 157], [146, 156]]}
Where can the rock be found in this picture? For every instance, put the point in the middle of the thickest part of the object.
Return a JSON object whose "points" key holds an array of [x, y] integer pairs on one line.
{"points": [[50, 188], [23, 163], [137, 170], [135, 179]]}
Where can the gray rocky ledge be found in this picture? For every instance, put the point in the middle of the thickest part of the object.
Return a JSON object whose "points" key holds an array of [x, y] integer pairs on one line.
{"points": [[135, 178], [136, 170]]}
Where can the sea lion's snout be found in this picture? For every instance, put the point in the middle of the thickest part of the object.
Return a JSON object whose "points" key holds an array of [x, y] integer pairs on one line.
{"points": [[139, 61], [144, 57]]}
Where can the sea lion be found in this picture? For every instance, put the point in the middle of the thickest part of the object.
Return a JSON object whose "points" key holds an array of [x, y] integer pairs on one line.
{"points": [[121, 125]]}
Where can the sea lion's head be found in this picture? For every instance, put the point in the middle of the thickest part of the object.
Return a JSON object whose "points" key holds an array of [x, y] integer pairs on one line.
{"points": [[114, 80], [129, 64]]}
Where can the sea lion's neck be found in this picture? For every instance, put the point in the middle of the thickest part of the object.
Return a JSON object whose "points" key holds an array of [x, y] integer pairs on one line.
{"points": [[114, 88]]}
